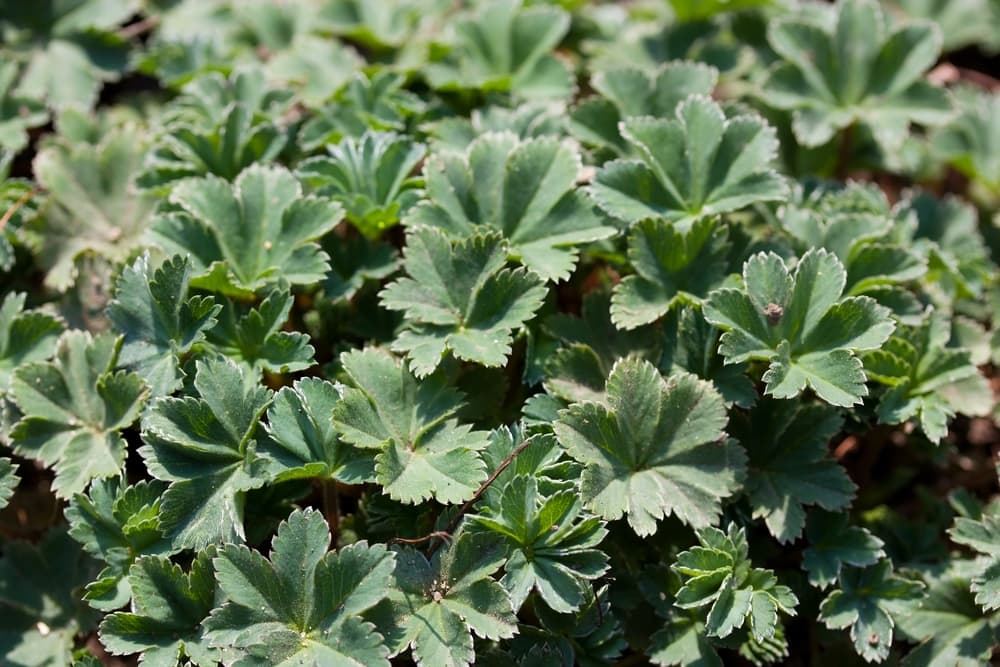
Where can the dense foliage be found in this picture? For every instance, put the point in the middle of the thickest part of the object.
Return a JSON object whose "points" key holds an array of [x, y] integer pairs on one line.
{"points": [[506, 332]]}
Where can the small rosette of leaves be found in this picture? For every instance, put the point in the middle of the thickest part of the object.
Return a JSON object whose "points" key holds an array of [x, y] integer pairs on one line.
{"points": [[117, 523], [159, 319], [74, 409], [254, 339], [854, 69], [437, 603], [303, 442], [422, 451], [652, 448], [524, 189], [869, 243], [671, 267], [203, 446], [504, 47], [304, 604], [553, 543], [718, 574], [928, 380], [164, 622], [695, 164], [244, 236], [458, 297], [225, 149], [800, 325], [626, 91], [371, 177]]}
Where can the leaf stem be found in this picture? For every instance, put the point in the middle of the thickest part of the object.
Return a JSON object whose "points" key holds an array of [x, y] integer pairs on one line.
{"points": [[331, 504], [844, 152], [139, 27], [9, 213], [445, 535]]}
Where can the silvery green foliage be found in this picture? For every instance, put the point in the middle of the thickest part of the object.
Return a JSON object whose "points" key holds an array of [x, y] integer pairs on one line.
{"points": [[854, 67], [499, 332]]}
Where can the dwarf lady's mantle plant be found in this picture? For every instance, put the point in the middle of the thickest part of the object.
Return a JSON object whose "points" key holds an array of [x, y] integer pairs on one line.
{"points": [[499, 332]]}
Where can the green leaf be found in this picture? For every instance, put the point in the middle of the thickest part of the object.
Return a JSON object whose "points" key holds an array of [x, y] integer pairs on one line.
{"points": [[19, 200], [833, 543], [554, 543], [789, 463], [458, 298], [691, 344], [245, 236], [801, 325], [40, 615], [317, 67], [697, 164], [866, 602], [204, 447], [69, 48], [25, 336], [526, 121], [159, 319], [117, 523], [592, 344], [682, 642], [950, 626], [74, 408], [423, 452], [303, 442], [854, 70], [627, 91], [254, 339], [947, 234], [524, 189], [380, 26], [370, 177], [304, 605], [207, 100], [671, 267], [168, 607], [92, 205], [437, 604], [961, 22], [983, 536], [719, 573], [654, 448], [18, 114], [355, 261], [8, 481], [920, 369], [864, 241], [969, 142], [224, 149], [376, 102], [505, 47]]}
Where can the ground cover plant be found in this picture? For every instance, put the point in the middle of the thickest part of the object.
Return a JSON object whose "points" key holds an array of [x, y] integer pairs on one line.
{"points": [[499, 332]]}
